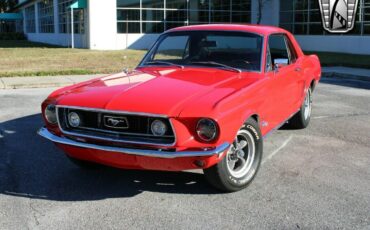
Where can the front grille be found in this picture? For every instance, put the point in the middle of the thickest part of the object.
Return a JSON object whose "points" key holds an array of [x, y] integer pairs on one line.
{"points": [[131, 128]]}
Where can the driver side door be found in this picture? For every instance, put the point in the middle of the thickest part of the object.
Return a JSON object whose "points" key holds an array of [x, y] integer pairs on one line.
{"points": [[284, 77]]}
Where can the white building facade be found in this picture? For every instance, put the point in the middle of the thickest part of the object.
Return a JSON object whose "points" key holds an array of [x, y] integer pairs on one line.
{"points": [[136, 24]]}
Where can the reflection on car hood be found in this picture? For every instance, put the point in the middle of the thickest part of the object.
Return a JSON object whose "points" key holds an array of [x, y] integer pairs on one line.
{"points": [[152, 90]]}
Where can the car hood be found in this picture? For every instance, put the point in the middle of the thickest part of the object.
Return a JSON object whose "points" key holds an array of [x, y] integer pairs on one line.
{"points": [[157, 91]]}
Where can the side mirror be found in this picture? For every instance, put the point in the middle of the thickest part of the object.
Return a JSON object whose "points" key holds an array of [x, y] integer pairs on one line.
{"points": [[280, 62]]}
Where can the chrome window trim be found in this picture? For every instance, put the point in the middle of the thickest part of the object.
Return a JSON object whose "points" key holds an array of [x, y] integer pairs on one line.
{"points": [[115, 112]]}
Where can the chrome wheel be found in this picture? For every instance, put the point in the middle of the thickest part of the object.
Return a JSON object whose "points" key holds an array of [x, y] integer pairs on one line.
{"points": [[240, 156], [307, 105]]}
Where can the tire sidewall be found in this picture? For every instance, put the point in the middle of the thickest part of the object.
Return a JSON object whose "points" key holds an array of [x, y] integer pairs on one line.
{"points": [[305, 121], [237, 183]]}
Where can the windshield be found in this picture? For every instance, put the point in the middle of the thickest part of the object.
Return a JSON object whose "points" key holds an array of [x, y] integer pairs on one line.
{"points": [[229, 50]]}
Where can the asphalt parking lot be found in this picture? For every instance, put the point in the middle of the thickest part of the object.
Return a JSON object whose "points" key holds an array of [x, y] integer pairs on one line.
{"points": [[317, 178]]}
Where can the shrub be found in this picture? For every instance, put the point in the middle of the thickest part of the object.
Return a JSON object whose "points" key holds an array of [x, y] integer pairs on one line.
{"points": [[12, 36]]}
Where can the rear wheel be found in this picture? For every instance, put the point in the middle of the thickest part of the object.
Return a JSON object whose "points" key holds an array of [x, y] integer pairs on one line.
{"points": [[301, 119], [242, 161]]}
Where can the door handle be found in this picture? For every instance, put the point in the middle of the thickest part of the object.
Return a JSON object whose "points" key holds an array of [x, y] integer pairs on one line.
{"points": [[298, 69]]}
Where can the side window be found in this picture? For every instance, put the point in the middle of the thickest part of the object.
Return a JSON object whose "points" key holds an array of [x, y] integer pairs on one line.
{"points": [[269, 66], [278, 49], [292, 52]]}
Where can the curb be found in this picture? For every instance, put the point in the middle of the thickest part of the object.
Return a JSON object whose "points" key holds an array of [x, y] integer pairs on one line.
{"points": [[345, 76]]}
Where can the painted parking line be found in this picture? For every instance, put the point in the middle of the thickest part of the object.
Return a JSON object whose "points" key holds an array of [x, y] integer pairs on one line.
{"points": [[269, 157]]}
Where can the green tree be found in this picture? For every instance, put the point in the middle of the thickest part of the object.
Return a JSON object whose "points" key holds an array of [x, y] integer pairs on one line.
{"points": [[6, 5]]}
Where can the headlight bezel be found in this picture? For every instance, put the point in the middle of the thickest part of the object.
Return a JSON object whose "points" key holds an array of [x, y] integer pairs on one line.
{"points": [[50, 114], [215, 128], [70, 119], [161, 134]]}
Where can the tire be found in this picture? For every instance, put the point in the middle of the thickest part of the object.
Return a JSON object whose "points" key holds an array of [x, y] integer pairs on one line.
{"points": [[87, 165], [230, 174], [302, 118]]}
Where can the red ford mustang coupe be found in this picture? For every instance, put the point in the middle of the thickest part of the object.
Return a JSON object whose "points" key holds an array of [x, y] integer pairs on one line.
{"points": [[203, 97]]}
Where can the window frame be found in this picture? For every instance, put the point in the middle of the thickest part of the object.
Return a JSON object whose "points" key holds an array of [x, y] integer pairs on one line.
{"points": [[286, 42], [155, 46], [186, 10]]}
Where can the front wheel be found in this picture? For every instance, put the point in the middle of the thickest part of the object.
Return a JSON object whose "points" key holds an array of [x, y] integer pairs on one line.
{"points": [[242, 161]]}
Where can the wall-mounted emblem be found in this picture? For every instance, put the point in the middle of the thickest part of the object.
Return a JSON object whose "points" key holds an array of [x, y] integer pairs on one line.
{"points": [[338, 16]]}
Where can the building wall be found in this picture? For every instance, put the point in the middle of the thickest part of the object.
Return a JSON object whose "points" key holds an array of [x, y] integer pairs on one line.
{"points": [[102, 24], [332, 43], [101, 31], [56, 38], [356, 44], [135, 41]]}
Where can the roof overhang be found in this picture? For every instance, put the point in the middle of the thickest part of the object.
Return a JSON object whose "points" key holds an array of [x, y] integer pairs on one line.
{"points": [[11, 16]]}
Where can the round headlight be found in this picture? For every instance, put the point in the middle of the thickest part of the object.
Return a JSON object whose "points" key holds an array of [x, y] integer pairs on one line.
{"points": [[74, 119], [158, 128], [50, 114], [206, 129]]}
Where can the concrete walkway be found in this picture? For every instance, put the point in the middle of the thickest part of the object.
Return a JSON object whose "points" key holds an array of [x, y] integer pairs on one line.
{"points": [[43, 82], [59, 81]]}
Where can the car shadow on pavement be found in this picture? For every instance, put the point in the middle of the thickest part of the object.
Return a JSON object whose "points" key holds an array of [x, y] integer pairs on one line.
{"points": [[33, 167]]}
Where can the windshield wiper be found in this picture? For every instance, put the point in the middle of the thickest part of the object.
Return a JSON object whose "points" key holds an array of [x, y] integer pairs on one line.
{"points": [[163, 63], [212, 63]]}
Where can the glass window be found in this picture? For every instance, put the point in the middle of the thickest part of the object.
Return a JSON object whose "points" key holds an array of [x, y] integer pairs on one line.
{"points": [[170, 25], [278, 49], [367, 28], [128, 14], [240, 17], [153, 14], [174, 47], [292, 52], [198, 17], [205, 48], [153, 27], [153, 4], [30, 19], [128, 4], [220, 16], [65, 18], [46, 16], [199, 5], [220, 4], [128, 27], [241, 5], [176, 15], [304, 17], [176, 4]]}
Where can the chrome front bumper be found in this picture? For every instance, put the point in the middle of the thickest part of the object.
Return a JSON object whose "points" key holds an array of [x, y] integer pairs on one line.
{"points": [[140, 152]]}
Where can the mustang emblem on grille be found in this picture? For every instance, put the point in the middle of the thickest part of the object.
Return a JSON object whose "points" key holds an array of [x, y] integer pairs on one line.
{"points": [[115, 122], [338, 16]]}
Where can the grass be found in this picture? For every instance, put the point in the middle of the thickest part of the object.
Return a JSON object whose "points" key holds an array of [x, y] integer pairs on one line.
{"points": [[23, 58], [341, 59]]}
